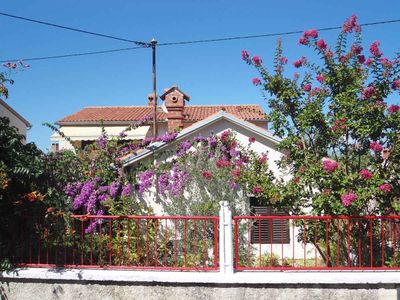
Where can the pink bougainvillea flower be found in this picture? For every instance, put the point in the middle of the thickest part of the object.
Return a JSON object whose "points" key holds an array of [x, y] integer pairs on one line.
{"points": [[322, 45], [385, 62], [396, 84], [252, 139], [298, 63], [313, 33], [369, 62], [386, 187], [330, 165], [374, 49], [257, 189], [303, 40], [221, 163], [320, 78], [256, 60], [207, 175], [225, 135], [376, 147], [361, 59], [369, 92], [393, 108], [283, 60], [348, 198], [256, 81], [339, 124], [245, 55], [365, 174], [236, 173], [350, 24], [263, 159], [307, 87], [356, 49]]}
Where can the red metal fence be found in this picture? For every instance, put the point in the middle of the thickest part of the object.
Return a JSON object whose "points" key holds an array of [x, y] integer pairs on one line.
{"points": [[128, 242], [317, 243]]}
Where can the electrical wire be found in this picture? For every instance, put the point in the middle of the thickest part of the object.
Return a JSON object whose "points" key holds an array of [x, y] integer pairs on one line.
{"points": [[71, 55], [76, 29], [146, 45], [269, 34]]}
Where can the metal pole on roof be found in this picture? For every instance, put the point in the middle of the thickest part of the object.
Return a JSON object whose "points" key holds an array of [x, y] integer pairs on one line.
{"points": [[153, 46]]}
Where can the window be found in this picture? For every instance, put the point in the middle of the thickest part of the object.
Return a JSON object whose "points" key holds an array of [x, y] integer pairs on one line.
{"points": [[268, 231]]}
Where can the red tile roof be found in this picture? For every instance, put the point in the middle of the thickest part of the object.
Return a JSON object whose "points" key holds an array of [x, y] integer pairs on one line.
{"points": [[192, 113]]}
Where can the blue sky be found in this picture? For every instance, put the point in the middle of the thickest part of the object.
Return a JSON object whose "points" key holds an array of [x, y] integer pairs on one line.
{"points": [[209, 73]]}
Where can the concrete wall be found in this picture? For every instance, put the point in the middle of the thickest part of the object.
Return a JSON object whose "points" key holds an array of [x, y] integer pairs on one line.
{"points": [[102, 284]]}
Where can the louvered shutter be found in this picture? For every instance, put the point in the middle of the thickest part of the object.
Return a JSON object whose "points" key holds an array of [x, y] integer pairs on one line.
{"points": [[269, 231]]}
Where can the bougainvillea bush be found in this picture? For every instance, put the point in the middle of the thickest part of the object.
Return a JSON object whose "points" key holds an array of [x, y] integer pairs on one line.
{"points": [[340, 136], [207, 170]]}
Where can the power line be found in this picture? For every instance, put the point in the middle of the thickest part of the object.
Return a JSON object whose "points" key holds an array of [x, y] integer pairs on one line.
{"points": [[76, 29], [72, 55], [269, 34], [146, 45]]}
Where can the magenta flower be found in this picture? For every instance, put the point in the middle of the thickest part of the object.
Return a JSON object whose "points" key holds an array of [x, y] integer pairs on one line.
{"points": [[369, 62], [298, 63], [252, 139], [263, 159], [321, 45], [307, 87], [374, 49], [393, 108], [368, 92], [365, 174], [101, 141], [330, 165], [361, 59], [245, 55], [256, 81], [256, 60], [396, 84], [347, 199], [386, 187], [127, 190], [303, 40], [283, 60], [356, 49], [257, 189], [320, 78], [376, 147], [313, 33], [207, 175], [351, 24]]}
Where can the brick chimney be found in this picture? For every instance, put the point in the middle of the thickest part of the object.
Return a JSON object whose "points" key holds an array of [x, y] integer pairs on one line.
{"points": [[174, 100]]}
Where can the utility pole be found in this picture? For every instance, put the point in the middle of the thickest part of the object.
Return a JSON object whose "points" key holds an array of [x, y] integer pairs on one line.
{"points": [[153, 46]]}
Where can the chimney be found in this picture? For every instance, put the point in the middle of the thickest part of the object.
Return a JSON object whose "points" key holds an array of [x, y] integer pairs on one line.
{"points": [[150, 97], [174, 100]]}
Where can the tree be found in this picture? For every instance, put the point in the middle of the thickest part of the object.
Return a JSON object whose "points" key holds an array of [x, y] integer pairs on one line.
{"points": [[340, 138]]}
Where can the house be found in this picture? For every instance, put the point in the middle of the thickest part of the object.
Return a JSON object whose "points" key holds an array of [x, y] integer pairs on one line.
{"points": [[265, 236], [84, 126], [15, 118]]}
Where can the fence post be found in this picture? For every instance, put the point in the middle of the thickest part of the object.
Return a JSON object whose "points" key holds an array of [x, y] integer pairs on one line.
{"points": [[225, 239]]}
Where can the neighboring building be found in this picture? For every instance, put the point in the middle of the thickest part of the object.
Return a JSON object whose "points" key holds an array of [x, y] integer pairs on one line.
{"points": [[84, 126], [15, 118]]}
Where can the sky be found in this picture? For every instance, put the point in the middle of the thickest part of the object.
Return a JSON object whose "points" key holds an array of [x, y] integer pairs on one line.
{"points": [[210, 73]]}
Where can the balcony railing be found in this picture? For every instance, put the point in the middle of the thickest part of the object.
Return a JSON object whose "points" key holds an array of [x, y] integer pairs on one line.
{"points": [[317, 242], [127, 242]]}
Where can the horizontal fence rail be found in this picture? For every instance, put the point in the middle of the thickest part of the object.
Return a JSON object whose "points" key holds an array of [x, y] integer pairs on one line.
{"points": [[317, 243], [126, 242]]}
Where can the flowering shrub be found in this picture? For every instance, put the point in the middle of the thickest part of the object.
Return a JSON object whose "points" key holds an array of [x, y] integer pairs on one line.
{"points": [[340, 137], [207, 170]]}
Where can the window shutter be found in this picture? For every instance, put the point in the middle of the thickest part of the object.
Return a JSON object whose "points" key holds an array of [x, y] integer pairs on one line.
{"points": [[269, 231]]}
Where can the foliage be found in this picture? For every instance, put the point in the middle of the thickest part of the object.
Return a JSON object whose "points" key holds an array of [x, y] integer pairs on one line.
{"points": [[340, 138], [207, 170]]}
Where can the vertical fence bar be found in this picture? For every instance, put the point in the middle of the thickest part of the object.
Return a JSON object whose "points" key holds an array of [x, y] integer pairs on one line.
{"points": [[348, 242], [383, 241], [216, 242], [370, 243], [82, 241], [292, 239], [101, 241], [236, 228], [315, 242], [166, 242], [175, 245], [156, 242], [327, 258], [185, 241], [147, 242], [204, 245], [128, 250], [110, 242]]}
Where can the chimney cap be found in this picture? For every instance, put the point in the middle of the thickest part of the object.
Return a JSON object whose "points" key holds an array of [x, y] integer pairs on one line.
{"points": [[174, 88]]}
